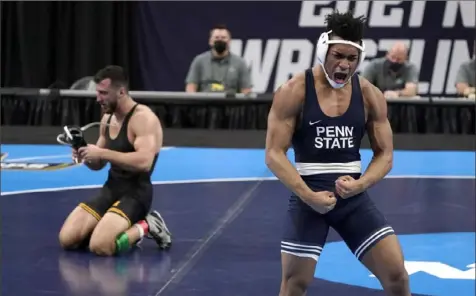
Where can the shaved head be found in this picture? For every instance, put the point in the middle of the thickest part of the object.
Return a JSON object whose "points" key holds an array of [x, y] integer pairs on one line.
{"points": [[398, 53]]}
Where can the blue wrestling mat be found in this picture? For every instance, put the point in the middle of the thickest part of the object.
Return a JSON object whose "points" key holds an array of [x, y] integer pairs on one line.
{"points": [[225, 208]]}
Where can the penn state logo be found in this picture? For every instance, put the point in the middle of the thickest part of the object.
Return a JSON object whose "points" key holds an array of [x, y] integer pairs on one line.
{"points": [[333, 137]]}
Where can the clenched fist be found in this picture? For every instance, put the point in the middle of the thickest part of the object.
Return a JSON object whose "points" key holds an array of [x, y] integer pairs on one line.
{"points": [[346, 187], [322, 201]]}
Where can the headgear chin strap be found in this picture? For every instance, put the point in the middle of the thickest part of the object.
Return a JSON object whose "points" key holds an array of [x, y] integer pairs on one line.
{"points": [[323, 47]]}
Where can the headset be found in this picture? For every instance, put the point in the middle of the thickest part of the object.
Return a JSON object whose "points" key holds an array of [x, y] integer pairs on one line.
{"points": [[73, 136], [323, 47]]}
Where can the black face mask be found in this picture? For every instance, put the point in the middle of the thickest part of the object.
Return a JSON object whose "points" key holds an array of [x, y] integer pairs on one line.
{"points": [[220, 46], [394, 66]]}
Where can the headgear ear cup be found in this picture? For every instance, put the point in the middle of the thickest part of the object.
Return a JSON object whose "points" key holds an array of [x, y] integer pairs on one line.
{"points": [[362, 55], [323, 47]]}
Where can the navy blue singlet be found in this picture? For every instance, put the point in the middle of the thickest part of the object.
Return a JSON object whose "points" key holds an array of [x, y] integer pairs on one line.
{"points": [[327, 147]]}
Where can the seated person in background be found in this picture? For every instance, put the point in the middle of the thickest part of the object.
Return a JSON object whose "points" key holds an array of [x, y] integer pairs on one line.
{"points": [[393, 74], [466, 76], [219, 70]]}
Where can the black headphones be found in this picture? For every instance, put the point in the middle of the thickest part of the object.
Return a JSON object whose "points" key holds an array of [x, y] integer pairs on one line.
{"points": [[73, 135]]}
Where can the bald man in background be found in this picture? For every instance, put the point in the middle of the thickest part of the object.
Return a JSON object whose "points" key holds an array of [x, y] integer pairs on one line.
{"points": [[393, 74]]}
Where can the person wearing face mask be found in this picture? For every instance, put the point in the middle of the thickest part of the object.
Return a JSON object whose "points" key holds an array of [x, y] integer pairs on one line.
{"points": [[466, 77], [218, 69], [393, 74]]}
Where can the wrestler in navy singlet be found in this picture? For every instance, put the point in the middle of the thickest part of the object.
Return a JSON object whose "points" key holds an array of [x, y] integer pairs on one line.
{"points": [[326, 148], [125, 193]]}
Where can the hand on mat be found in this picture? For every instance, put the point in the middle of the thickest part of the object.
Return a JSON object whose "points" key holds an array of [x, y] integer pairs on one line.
{"points": [[346, 187], [322, 201], [90, 153]]}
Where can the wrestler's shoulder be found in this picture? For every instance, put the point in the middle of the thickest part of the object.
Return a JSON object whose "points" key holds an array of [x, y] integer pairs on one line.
{"points": [[144, 113], [366, 86], [292, 91], [296, 82], [143, 109], [371, 93]]}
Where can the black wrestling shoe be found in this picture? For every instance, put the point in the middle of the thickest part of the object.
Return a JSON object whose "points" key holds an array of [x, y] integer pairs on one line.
{"points": [[158, 230]]}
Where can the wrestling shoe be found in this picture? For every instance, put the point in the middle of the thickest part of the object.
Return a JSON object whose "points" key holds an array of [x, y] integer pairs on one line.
{"points": [[158, 230]]}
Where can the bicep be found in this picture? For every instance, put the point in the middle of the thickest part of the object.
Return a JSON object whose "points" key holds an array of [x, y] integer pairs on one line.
{"points": [[145, 143], [282, 118], [380, 135], [280, 131], [146, 133], [378, 126]]}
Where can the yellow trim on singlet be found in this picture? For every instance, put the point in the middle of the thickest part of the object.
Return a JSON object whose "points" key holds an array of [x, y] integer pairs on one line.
{"points": [[120, 213], [90, 211]]}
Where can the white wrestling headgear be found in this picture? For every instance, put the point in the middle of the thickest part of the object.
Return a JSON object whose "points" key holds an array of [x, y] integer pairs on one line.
{"points": [[323, 47]]}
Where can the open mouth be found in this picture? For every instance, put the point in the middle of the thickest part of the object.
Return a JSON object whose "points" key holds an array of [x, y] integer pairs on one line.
{"points": [[340, 77]]}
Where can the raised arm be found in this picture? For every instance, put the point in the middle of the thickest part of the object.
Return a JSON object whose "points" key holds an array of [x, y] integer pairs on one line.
{"points": [[380, 136], [148, 140], [287, 104]]}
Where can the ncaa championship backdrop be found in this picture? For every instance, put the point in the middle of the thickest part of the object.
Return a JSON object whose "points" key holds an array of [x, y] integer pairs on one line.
{"points": [[278, 39]]}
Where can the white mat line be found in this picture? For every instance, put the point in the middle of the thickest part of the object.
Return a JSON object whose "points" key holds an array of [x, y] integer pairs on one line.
{"points": [[37, 157], [217, 180], [53, 156]]}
